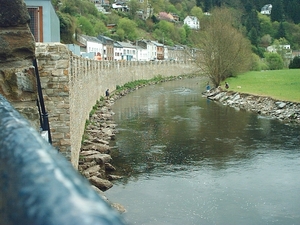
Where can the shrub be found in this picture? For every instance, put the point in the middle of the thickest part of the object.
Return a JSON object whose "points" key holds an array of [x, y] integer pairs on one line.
{"points": [[274, 60], [295, 63]]}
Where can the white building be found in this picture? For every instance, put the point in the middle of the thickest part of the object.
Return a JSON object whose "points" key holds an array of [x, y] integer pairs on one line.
{"points": [[90, 44], [192, 22], [118, 51], [129, 51], [142, 54], [266, 9]]}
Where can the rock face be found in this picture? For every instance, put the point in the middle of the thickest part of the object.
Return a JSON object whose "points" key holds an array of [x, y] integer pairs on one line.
{"points": [[17, 49], [282, 110]]}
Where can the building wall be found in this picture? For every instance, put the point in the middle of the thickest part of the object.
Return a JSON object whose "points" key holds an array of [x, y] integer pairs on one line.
{"points": [[51, 29], [72, 85]]}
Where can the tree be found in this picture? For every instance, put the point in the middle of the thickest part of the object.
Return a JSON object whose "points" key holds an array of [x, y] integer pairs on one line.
{"points": [[277, 11], [295, 63], [85, 26], [274, 61], [196, 11], [224, 51], [281, 31], [134, 6], [128, 27], [207, 5]]}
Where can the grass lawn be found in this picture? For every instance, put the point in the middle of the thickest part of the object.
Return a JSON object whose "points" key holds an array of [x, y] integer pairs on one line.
{"points": [[278, 84]]}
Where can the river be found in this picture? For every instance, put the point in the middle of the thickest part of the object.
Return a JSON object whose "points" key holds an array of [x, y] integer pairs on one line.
{"points": [[187, 160]]}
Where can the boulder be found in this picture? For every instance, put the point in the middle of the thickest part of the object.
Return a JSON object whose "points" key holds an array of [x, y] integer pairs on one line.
{"points": [[102, 184]]}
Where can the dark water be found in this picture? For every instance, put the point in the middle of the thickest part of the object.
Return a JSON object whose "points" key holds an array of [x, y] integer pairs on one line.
{"points": [[187, 160]]}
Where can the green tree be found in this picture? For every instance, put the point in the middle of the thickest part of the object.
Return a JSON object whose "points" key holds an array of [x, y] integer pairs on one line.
{"points": [[281, 31], [207, 5], [253, 37], [274, 60], [295, 63], [67, 27], [225, 51], [129, 28], [86, 26], [265, 25], [277, 11], [197, 11], [134, 6], [100, 28]]}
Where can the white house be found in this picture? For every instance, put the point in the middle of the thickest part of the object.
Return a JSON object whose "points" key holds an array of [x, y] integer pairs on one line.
{"points": [[274, 48], [129, 51], [91, 44], [118, 51], [192, 22], [266, 9], [142, 54]]}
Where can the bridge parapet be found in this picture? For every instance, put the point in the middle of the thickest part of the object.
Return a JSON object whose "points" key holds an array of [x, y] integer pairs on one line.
{"points": [[72, 85]]}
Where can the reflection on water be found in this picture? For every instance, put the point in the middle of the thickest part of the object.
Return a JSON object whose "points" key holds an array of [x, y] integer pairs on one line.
{"points": [[187, 160]]}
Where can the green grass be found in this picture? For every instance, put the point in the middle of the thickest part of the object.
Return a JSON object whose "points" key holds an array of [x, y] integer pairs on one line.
{"points": [[278, 84]]}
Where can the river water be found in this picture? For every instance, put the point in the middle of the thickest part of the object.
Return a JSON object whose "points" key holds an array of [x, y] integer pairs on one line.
{"points": [[187, 160]]}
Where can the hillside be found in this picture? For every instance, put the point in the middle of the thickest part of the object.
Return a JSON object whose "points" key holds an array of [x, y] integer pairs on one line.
{"points": [[81, 16]]}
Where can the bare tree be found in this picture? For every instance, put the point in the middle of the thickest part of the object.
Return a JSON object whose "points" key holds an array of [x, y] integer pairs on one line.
{"points": [[224, 51]]}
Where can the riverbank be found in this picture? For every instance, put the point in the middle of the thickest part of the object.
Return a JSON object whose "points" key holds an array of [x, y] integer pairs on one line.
{"points": [[282, 110], [95, 161]]}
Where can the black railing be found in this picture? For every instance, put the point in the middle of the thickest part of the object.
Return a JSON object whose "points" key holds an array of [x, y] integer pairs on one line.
{"points": [[44, 121], [38, 186]]}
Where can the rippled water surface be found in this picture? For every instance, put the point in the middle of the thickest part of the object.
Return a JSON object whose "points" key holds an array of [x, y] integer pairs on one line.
{"points": [[187, 160]]}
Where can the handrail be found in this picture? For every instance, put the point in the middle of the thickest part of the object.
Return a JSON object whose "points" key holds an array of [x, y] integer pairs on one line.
{"points": [[38, 186], [40, 103]]}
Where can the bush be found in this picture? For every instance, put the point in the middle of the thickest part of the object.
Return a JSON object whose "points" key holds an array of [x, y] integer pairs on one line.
{"points": [[274, 60], [295, 63]]}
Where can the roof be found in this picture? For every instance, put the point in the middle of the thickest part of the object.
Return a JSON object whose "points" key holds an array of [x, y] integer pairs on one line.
{"points": [[126, 44], [194, 18], [90, 39]]}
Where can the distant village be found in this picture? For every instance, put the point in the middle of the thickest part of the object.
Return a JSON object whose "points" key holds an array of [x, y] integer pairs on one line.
{"points": [[140, 50], [109, 49]]}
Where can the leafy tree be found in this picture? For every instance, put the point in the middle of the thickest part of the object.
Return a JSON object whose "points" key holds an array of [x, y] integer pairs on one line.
{"points": [[266, 40], [295, 63], [196, 11], [224, 50], [86, 26], [265, 25], [274, 60], [134, 6], [129, 28], [67, 27], [100, 28]]}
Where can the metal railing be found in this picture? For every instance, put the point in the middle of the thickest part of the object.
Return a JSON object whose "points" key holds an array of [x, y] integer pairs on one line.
{"points": [[38, 186]]}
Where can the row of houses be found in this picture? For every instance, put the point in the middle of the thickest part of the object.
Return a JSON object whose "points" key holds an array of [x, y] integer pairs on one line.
{"points": [[140, 50]]}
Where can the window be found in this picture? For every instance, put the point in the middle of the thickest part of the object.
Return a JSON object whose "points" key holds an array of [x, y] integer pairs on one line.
{"points": [[36, 22]]}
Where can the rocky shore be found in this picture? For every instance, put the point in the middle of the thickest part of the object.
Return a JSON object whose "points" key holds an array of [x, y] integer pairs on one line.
{"points": [[281, 110], [95, 159]]}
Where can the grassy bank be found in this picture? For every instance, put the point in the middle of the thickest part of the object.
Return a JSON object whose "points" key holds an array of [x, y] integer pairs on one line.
{"points": [[278, 84]]}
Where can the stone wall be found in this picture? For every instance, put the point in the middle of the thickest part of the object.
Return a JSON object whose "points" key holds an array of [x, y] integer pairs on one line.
{"points": [[72, 85]]}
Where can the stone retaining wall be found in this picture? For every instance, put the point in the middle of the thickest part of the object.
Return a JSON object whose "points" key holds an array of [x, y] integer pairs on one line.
{"points": [[72, 85]]}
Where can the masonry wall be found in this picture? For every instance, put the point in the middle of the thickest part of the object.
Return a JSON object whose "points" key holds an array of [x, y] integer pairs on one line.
{"points": [[72, 85]]}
